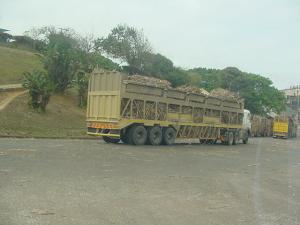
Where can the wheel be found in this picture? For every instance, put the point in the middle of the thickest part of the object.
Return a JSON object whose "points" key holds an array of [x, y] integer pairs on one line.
{"points": [[210, 141], [154, 135], [124, 137], [245, 139], [202, 141], [229, 138], [235, 139], [137, 135], [111, 140], [169, 135]]}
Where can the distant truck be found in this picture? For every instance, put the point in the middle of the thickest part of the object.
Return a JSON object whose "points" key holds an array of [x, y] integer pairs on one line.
{"points": [[138, 113], [284, 127], [262, 126]]}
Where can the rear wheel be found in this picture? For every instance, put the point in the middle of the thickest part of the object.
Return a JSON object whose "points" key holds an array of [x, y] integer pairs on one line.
{"points": [[169, 136], [111, 140], [246, 137], [137, 135], [154, 135], [235, 139], [229, 140], [124, 137], [202, 141]]}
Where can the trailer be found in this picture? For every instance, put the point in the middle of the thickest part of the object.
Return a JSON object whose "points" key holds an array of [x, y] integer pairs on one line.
{"points": [[262, 126], [284, 127], [137, 113]]}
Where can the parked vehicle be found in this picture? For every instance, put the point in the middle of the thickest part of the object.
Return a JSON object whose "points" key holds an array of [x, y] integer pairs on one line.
{"points": [[284, 127], [262, 126], [149, 113]]}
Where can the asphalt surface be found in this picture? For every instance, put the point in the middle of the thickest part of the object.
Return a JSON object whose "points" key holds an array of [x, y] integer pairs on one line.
{"points": [[88, 182]]}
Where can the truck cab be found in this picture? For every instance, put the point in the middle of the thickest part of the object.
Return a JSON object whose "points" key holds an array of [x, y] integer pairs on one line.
{"points": [[247, 121]]}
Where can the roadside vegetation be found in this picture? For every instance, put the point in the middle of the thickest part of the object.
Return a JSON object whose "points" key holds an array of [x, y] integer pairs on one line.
{"points": [[51, 61]]}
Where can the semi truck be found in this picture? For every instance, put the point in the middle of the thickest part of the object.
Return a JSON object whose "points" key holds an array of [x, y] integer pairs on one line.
{"points": [[138, 113]]}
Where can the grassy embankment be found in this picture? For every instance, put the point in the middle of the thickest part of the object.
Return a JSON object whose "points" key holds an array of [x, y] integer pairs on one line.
{"points": [[14, 62], [63, 119]]}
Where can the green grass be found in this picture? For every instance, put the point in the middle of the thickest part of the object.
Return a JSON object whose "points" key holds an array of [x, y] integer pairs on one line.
{"points": [[63, 119], [14, 62]]}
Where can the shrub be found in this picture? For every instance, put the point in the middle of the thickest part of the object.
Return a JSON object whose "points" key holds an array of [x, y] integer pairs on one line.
{"points": [[40, 89], [81, 82]]}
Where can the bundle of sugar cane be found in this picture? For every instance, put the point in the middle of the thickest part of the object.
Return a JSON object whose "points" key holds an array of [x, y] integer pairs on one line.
{"points": [[223, 93], [149, 81], [191, 89]]}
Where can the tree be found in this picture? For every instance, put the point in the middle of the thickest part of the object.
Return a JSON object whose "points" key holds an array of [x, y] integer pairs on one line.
{"points": [[40, 89], [82, 81], [157, 65], [259, 93], [178, 77], [62, 58], [126, 44]]}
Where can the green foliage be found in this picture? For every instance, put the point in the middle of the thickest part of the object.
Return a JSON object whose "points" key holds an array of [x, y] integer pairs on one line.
{"points": [[81, 82], [93, 59], [66, 53], [28, 43], [259, 93], [127, 44], [178, 77], [61, 59], [69, 56], [40, 88], [157, 65]]}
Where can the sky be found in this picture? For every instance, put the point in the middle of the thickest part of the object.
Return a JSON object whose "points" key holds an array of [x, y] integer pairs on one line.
{"points": [[257, 36]]}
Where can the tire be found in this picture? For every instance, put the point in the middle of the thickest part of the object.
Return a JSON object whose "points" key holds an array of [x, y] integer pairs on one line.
{"points": [[245, 139], [111, 140], [230, 138], [124, 137], [137, 135], [210, 141], [169, 136], [235, 139], [202, 141], [154, 135]]}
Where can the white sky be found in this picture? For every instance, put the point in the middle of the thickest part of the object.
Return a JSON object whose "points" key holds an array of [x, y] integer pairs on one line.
{"points": [[259, 36]]}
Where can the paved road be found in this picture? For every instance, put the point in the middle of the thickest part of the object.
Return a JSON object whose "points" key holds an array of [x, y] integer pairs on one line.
{"points": [[87, 182]]}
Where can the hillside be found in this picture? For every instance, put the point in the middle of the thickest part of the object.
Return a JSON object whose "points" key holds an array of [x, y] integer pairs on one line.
{"points": [[14, 62], [62, 119]]}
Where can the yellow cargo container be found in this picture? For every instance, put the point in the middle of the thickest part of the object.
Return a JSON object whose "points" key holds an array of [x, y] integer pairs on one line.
{"points": [[280, 129], [137, 113], [284, 127]]}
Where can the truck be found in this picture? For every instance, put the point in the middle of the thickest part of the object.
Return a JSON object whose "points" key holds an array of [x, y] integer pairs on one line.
{"points": [[262, 126], [284, 127], [136, 112]]}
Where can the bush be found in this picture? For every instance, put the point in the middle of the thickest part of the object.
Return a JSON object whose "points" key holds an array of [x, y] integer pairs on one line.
{"points": [[40, 89], [81, 82]]}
